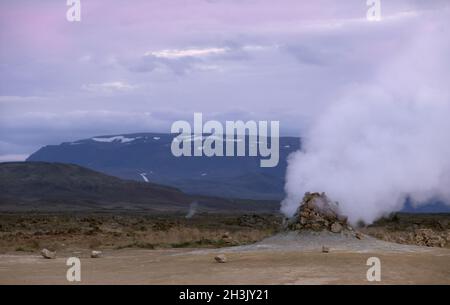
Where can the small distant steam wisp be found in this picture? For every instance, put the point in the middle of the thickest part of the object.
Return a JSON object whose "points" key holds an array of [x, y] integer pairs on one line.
{"points": [[192, 210], [384, 141]]}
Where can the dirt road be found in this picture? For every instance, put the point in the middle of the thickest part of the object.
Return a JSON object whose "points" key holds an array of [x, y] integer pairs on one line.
{"points": [[184, 266]]}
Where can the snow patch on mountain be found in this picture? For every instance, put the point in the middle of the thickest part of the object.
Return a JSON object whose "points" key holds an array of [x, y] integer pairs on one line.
{"points": [[192, 138], [144, 176], [120, 139]]}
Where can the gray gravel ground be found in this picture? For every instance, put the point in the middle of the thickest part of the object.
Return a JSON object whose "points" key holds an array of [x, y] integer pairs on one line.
{"points": [[313, 241]]}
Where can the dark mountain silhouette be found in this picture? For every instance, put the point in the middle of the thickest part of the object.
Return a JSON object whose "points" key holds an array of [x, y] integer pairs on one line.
{"points": [[147, 156], [57, 186]]}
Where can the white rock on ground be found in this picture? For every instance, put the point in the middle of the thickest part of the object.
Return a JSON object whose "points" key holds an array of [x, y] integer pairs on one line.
{"points": [[96, 254], [48, 254], [221, 258]]}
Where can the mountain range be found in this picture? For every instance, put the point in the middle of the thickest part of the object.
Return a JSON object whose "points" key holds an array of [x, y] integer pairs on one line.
{"points": [[147, 157], [43, 186]]}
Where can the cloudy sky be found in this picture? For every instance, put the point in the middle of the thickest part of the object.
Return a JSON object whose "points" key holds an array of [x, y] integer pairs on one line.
{"points": [[137, 66]]}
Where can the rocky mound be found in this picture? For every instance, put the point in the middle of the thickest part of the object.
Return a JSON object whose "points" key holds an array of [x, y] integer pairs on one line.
{"points": [[318, 213]]}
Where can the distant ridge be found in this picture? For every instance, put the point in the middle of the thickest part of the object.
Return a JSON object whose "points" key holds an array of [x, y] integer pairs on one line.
{"points": [[56, 186], [147, 157]]}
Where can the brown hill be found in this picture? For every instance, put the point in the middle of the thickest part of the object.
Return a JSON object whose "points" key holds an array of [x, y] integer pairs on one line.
{"points": [[59, 186]]}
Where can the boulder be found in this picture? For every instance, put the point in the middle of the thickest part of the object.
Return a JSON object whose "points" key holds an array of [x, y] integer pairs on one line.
{"points": [[336, 227], [96, 254], [47, 254], [358, 235], [221, 258]]}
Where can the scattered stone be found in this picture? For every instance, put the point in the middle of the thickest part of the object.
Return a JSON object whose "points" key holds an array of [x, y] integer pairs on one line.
{"points": [[256, 221], [336, 228], [48, 254], [358, 235], [424, 237], [325, 249], [96, 254], [221, 258], [226, 235], [429, 238], [316, 226]]}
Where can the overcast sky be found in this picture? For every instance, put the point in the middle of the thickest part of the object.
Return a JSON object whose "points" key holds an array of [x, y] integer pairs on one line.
{"points": [[137, 66]]}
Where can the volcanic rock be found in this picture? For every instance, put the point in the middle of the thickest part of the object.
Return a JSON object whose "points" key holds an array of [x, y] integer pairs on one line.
{"points": [[96, 254], [48, 254], [226, 238], [429, 238], [358, 235], [221, 258], [336, 227], [318, 213]]}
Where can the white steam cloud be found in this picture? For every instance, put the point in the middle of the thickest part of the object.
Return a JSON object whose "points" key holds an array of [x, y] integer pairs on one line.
{"points": [[382, 142]]}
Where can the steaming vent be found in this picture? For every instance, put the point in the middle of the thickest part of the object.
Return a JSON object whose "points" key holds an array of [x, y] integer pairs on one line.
{"points": [[318, 213]]}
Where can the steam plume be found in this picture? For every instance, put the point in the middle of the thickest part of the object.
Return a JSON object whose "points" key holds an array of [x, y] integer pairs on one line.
{"points": [[192, 210], [382, 142]]}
